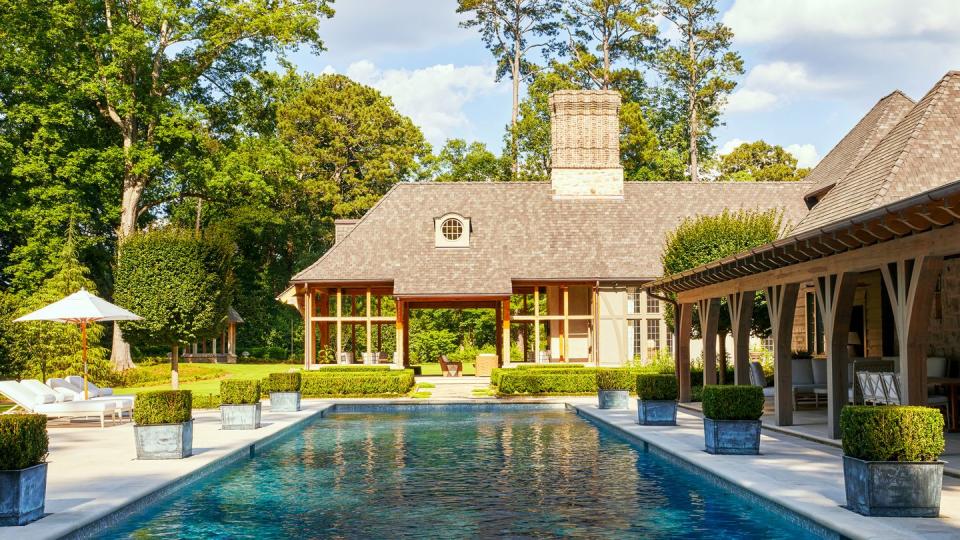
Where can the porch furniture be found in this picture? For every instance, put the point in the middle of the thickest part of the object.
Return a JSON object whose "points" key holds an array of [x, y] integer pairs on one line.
{"points": [[950, 384], [757, 378], [486, 363], [891, 387], [345, 358], [805, 381], [370, 358], [383, 358], [450, 369], [124, 404], [543, 357], [28, 400], [94, 390]]}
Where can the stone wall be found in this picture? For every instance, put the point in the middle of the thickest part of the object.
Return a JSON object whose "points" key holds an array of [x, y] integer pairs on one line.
{"points": [[944, 337]]}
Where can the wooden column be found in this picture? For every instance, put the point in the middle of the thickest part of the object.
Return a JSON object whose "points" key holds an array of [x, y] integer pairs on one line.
{"points": [[325, 326], [741, 311], [379, 327], [339, 324], [910, 286], [781, 305], [505, 360], [709, 312], [595, 322], [309, 349], [536, 324], [498, 330], [353, 326], [369, 324], [835, 298], [684, 321], [564, 343], [401, 335]]}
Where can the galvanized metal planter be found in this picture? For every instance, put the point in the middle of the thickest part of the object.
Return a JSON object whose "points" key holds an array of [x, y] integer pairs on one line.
{"points": [[613, 399], [164, 441], [285, 401], [22, 495], [245, 416], [893, 488], [740, 437], [656, 412]]}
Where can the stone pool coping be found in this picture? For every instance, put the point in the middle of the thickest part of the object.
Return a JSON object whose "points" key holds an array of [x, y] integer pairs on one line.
{"points": [[801, 476]]}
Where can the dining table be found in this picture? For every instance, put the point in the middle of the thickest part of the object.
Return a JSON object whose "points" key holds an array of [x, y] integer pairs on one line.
{"points": [[951, 384]]}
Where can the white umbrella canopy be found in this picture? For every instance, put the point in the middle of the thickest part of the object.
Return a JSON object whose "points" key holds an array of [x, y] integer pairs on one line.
{"points": [[81, 308]]}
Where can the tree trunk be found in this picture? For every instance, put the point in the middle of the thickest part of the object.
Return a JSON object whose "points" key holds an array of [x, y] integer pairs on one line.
{"points": [[120, 358], [722, 357], [175, 367], [692, 119], [515, 112]]}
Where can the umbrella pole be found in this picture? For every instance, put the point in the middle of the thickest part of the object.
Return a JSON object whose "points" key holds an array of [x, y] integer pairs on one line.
{"points": [[83, 348]]}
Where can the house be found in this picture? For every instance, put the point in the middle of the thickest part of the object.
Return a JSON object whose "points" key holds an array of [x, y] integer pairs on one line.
{"points": [[562, 263]]}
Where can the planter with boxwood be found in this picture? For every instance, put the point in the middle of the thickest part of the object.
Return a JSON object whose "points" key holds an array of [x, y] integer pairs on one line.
{"points": [[23, 468], [284, 390], [731, 419], [240, 404], [163, 424], [656, 399], [891, 463], [613, 387]]}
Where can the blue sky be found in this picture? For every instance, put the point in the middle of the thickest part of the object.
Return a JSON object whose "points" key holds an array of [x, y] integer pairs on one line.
{"points": [[813, 67]]}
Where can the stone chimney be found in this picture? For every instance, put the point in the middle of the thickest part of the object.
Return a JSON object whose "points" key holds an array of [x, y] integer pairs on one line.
{"points": [[585, 144], [342, 227]]}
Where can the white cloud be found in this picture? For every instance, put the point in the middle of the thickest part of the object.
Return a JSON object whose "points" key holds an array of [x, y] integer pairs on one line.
{"points": [[729, 146], [769, 85], [747, 100], [433, 97], [806, 154]]}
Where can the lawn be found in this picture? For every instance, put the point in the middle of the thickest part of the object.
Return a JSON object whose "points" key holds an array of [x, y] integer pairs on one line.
{"points": [[434, 369], [212, 386]]}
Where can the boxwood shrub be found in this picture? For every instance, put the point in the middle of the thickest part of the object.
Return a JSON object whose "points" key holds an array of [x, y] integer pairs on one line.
{"points": [[332, 369], [394, 382], [891, 433], [574, 381], [239, 391], [206, 401], [656, 386], [561, 365], [283, 382], [498, 372], [615, 379], [23, 441], [162, 407], [740, 402]]}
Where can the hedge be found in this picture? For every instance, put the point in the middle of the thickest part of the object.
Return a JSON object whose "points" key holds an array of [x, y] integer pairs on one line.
{"points": [[396, 382], [283, 382], [239, 391], [742, 402], [162, 407], [497, 373], [334, 369], [581, 381], [656, 386], [23, 441], [548, 366], [891, 433], [206, 401], [615, 379]]}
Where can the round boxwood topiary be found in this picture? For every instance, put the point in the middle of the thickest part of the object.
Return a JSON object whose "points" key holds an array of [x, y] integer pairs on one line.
{"points": [[283, 382], [23, 441], [162, 407], [614, 379], [732, 402], [239, 391], [656, 386], [892, 433]]}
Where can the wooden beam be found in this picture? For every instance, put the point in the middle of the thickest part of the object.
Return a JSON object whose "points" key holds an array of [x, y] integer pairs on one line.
{"points": [[781, 306], [708, 310], [834, 293], [684, 326], [740, 305]]}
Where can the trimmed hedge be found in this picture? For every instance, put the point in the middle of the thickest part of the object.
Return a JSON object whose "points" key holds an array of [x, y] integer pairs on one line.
{"points": [[891, 433], [742, 402], [548, 366], [334, 369], [615, 379], [656, 386], [206, 401], [162, 407], [283, 382], [239, 391], [497, 373], [577, 381], [396, 382], [23, 441]]}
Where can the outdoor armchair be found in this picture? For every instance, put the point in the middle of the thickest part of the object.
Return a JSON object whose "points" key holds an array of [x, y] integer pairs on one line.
{"points": [[450, 369]]}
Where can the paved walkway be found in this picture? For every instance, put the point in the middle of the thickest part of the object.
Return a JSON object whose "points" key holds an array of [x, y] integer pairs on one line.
{"points": [[455, 387], [802, 475]]}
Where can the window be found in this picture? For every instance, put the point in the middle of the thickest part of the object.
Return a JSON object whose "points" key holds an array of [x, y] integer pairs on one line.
{"points": [[634, 299], [670, 341], [653, 337], [653, 305], [635, 336], [768, 343], [452, 229]]}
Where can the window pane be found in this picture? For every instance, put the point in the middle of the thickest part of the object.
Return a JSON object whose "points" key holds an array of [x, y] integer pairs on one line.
{"points": [[653, 337], [653, 305], [636, 339], [634, 299]]}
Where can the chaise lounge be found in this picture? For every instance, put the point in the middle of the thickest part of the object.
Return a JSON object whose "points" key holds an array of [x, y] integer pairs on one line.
{"points": [[46, 404], [70, 388]]}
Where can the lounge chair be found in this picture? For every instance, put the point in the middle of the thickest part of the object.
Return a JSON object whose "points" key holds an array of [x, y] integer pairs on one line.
{"points": [[93, 390], [757, 378], [450, 369], [25, 398], [123, 403]]}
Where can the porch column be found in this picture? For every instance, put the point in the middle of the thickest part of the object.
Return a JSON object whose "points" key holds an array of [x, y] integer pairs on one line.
{"points": [[308, 346], [339, 324], [741, 313], [684, 322], [536, 324], [565, 340], [506, 332], [325, 326], [401, 335], [910, 285], [709, 311], [781, 306], [835, 298], [369, 324]]}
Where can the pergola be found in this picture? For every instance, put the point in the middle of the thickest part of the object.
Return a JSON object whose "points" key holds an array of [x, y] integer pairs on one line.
{"points": [[906, 242]]}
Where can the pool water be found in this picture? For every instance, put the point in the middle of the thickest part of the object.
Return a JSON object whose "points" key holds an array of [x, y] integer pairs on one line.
{"points": [[446, 472]]}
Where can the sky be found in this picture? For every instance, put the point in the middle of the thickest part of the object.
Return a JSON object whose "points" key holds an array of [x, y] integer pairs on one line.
{"points": [[812, 67]]}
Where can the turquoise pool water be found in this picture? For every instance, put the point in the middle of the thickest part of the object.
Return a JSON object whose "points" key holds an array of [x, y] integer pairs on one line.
{"points": [[455, 473]]}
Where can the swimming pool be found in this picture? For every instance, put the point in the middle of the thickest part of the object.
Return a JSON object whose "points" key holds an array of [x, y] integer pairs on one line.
{"points": [[455, 472]]}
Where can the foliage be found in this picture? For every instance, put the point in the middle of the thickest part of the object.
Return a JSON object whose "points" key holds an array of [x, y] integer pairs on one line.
{"points": [[743, 402], [656, 386], [391, 383], [239, 391], [269, 353], [283, 382], [429, 345], [760, 162], [152, 375], [13, 364], [351, 369], [615, 379], [458, 161], [497, 373], [582, 381], [23, 441], [162, 407], [892, 433], [206, 401]]}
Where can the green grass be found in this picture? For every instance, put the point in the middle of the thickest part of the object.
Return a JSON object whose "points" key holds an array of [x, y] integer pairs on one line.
{"points": [[434, 369], [420, 395], [484, 392], [426, 385], [212, 386]]}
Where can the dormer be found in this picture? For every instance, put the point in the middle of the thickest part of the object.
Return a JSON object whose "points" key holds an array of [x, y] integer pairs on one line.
{"points": [[451, 230]]}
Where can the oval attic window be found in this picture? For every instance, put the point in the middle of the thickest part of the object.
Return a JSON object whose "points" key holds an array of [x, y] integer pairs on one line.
{"points": [[452, 229]]}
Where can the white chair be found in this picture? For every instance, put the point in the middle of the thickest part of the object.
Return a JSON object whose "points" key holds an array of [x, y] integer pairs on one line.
{"points": [[93, 390], [40, 388], [44, 403], [123, 403], [891, 388], [757, 378]]}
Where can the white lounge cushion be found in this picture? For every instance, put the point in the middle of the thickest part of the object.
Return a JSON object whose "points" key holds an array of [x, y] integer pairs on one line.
{"points": [[76, 407], [52, 395], [123, 402], [23, 396], [92, 389]]}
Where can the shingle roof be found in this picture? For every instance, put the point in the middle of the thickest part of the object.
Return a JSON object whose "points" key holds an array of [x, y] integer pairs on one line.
{"points": [[920, 153], [858, 142], [519, 231]]}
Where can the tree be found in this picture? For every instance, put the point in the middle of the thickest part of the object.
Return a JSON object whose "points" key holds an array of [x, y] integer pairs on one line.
{"points": [[180, 282], [511, 30], [697, 71], [760, 162], [702, 239], [462, 162], [427, 346]]}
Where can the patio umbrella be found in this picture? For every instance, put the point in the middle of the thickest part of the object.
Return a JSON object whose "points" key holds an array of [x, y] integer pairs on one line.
{"points": [[81, 308]]}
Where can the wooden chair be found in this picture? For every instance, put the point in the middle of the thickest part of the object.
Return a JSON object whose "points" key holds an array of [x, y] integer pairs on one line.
{"points": [[450, 369]]}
